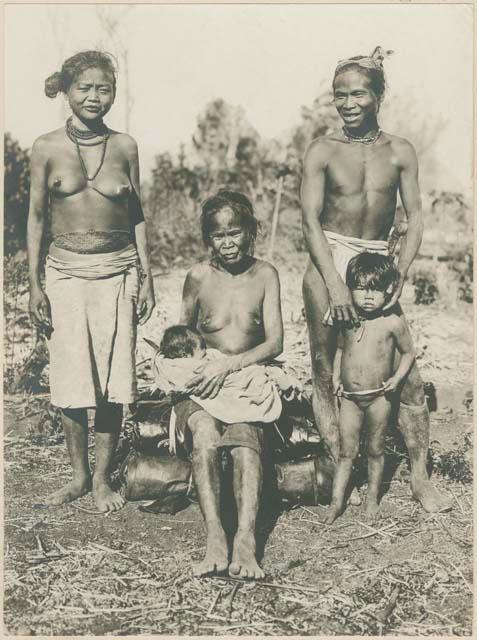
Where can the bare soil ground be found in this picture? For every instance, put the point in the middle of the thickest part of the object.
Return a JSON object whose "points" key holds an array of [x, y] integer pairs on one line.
{"points": [[69, 571]]}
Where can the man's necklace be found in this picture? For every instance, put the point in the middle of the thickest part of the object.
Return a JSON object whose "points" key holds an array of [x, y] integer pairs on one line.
{"points": [[361, 329], [72, 133], [362, 139]]}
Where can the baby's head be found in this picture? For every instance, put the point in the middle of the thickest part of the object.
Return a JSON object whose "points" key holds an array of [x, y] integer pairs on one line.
{"points": [[180, 341], [372, 279]]}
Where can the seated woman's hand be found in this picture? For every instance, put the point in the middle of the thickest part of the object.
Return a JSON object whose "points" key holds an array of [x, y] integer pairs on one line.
{"points": [[210, 377]]}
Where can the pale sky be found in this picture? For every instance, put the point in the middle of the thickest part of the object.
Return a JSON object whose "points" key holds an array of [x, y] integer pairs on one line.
{"points": [[271, 59]]}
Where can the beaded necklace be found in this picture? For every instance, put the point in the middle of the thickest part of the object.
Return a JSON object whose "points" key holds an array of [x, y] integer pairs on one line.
{"points": [[74, 134], [363, 140], [361, 329]]}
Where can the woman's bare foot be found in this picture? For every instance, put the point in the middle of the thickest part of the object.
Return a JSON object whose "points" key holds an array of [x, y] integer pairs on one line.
{"points": [[72, 491], [216, 557], [244, 564], [333, 512], [430, 499], [105, 498]]}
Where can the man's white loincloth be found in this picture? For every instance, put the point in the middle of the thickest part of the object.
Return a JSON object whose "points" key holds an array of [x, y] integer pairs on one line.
{"points": [[343, 248]]}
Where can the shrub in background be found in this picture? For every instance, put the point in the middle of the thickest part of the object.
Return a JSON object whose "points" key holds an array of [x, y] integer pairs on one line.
{"points": [[425, 288], [463, 263], [16, 195]]}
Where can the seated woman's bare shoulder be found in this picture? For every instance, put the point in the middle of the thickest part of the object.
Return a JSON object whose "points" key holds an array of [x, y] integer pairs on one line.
{"points": [[267, 275], [199, 271], [196, 276], [265, 270]]}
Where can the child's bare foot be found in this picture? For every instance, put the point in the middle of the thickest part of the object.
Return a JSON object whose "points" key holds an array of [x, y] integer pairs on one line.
{"points": [[244, 564], [430, 499], [372, 509], [105, 498], [72, 491], [216, 555], [333, 512]]}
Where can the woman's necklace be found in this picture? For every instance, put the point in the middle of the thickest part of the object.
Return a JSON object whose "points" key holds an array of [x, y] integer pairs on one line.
{"points": [[74, 133], [71, 132], [364, 140]]}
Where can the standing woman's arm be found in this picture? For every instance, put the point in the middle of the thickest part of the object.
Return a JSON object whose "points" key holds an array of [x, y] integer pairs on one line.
{"points": [[39, 306], [146, 300]]}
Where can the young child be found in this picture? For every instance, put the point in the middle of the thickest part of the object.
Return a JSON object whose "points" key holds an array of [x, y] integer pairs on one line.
{"points": [[179, 341], [368, 375], [251, 394]]}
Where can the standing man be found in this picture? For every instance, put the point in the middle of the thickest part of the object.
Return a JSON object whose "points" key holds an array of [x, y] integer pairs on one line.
{"points": [[350, 183]]}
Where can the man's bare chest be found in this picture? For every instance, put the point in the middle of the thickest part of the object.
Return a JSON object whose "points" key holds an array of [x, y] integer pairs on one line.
{"points": [[360, 169]]}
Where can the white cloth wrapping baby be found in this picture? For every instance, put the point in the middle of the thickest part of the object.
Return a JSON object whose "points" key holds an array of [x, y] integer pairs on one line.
{"points": [[249, 395]]}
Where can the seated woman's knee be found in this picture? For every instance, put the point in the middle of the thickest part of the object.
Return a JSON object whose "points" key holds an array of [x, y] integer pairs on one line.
{"points": [[244, 453], [349, 451], [205, 430]]}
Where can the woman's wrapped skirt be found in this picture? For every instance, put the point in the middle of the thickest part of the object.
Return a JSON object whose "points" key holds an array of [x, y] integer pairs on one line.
{"points": [[92, 347]]}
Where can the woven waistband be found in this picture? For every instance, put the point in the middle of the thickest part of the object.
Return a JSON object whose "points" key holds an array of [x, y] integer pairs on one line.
{"points": [[92, 266]]}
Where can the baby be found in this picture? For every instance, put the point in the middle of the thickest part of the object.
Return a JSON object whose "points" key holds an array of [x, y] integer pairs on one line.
{"points": [[370, 373], [248, 395], [179, 341]]}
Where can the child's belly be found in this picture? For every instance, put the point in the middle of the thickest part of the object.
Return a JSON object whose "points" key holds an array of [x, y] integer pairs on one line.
{"points": [[365, 369]]}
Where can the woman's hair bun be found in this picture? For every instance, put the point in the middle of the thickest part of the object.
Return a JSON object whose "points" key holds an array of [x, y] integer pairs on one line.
{"points": [[53, 85]]}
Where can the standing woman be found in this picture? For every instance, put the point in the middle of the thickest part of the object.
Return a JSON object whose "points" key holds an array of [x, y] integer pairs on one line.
{"points": [[87, 176]]}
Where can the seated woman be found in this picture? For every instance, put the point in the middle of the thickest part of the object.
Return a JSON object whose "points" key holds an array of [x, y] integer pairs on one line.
{"points": [[233, 301]]}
